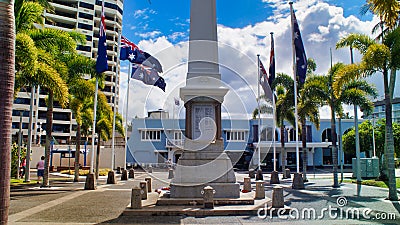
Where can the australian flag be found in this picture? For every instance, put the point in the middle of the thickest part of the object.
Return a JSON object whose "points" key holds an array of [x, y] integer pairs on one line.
{"points": [[301, 58], [272, 63], [148, 76], [264, 82], [130, 51], [101, 63]]}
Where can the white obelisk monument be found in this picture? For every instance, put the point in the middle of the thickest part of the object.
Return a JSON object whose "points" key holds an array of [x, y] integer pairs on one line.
{"points": [[203, 162]]}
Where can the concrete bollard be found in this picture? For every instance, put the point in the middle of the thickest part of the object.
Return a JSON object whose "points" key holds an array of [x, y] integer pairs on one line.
{"points": [[136, 198], [149, 186], [259, 175], [277, 197], [90, 183], [124, 175], [170, 173], [131, 173], [118, 170], [143, 188], [298, 182], [150, 170], [252, 173], [260, 190], [286, 173], [111, 178], [274, 178], [247, 184], [208, 197]]}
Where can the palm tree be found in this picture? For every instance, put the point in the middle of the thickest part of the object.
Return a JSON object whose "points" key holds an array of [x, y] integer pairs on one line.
{"points": [[7, 70], [382, 58]]}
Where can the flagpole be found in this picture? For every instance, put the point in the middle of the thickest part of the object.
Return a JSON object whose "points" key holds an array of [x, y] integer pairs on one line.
{"points": [[94, 125], [126, 114], [115, 103], [295, 91], [259, 114], [273, 108]]}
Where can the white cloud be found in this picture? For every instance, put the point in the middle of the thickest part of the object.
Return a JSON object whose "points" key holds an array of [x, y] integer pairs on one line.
{"points": [[151, 34], [143, 13], [321, 27]]}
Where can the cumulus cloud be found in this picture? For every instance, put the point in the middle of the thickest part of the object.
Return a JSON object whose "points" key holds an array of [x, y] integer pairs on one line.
{"points": [[321, 24]]}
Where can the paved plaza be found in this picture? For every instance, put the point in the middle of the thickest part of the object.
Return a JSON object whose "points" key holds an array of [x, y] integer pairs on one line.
{"points": [[67, 203]]}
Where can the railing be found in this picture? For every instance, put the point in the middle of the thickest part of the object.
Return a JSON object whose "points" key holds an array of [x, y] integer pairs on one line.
{"points": [[174, 143]]}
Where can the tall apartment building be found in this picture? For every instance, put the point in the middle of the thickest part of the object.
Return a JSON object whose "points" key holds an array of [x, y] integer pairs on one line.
{"points": [[379, 110], [84, 17]]}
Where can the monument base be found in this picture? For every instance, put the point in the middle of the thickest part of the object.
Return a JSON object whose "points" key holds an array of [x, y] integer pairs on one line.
{"points": [[209, 166]]}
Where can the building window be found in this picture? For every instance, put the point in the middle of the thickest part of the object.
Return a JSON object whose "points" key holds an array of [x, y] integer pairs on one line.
{"points": [[85, 16], [86, 5], [177, 135], [150, 135], [85, 26], [235, 135]]}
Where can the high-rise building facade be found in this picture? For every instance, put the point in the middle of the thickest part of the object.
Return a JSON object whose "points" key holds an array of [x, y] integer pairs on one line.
{"points": [[82, 16]]}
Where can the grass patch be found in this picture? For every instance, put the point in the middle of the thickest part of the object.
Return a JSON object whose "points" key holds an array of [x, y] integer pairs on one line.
{"points": [[375, 183], [102, 172], [16, 182]]}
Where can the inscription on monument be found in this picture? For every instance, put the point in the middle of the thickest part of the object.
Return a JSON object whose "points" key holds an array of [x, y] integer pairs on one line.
{"points": [[203, 122]]}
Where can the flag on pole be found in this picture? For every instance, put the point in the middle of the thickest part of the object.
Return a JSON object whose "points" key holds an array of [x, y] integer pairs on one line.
{"points": [[272, 62], [131, 52], [301, 58], [101, 63], [264, 82], [148, 76]]}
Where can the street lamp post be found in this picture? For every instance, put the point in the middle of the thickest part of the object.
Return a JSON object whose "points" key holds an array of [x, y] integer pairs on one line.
{"points": [[373, 134], [19, 143]]}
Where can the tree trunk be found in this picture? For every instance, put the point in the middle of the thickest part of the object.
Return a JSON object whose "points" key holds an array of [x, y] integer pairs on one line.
{"points": [[7, 62], [77, 152], [304, 148], [49, 128], [283, 149], [392, 82], [97, 157], [389, 156]]}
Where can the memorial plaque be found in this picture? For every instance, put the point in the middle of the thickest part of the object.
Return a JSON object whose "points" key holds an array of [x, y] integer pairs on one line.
{"points": [[203, 122]]}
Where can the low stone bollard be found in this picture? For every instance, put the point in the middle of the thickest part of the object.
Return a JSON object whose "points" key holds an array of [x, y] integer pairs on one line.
{"points": [[136, 198], [150, 170], [259, 175], [118, 170], [111, 177], [274, 178], [149, 186], [143, 188], [124, 175], [287, 173], [260, 190], [277, 197], [247, 184], [170, 173], [90, 183], [298, 182], [208, 197], [131, 173], [252, 173]]}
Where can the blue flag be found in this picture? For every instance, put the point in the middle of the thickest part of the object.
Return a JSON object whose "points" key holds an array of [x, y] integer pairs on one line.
{"points": [[272, 63], [101, 63], [301, 58], [148, 76]]}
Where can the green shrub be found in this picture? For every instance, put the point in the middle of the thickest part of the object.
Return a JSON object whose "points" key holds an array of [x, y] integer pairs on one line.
{"points": [[102, 172]]}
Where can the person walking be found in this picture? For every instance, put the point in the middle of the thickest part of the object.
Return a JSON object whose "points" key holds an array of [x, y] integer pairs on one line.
{"points": [[23, 167], [40, 169]]}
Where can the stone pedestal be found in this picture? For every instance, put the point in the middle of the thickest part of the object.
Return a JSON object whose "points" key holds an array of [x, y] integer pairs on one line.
{"points": [[90, 183], [277, 197], [274, 178], [208, 197], [136, 198], [124, 175], [259, 175], [143, 189], [260, 190], [247, 184], [149, 184], [131, 173], [287, 173], [207, 167], [298, 181], [111, 178]]}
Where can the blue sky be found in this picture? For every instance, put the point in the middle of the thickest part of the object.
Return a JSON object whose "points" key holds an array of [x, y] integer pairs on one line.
{"points": [[162, 29]]}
